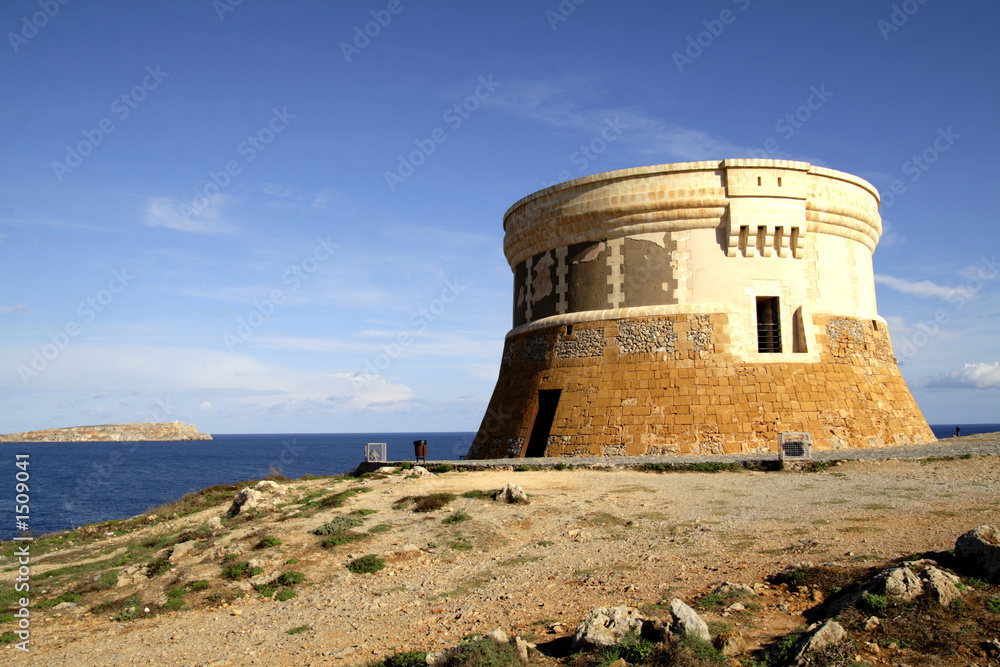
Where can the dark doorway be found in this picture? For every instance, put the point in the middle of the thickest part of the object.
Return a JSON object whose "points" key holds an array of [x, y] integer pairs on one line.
{"points": [[548, 399], [768, 325]]}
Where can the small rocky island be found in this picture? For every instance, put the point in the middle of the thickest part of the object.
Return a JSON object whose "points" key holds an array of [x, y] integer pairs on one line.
{"points": [[112, 433]]}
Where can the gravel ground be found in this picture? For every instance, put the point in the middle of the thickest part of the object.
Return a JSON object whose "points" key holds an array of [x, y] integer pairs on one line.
{"points": [[588, 537]]}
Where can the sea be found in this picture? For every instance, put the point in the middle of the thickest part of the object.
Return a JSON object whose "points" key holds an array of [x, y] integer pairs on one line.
{"points": [[72, 484]]}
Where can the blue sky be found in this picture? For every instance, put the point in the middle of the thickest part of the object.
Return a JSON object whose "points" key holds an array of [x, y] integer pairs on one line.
{"points": [[257, 218]]}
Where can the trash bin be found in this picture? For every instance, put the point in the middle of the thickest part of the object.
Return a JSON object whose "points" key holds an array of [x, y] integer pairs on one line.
{"points": [[420, 450]]}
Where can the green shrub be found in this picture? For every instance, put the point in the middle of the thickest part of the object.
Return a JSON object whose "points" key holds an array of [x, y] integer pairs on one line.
{"points": [[342, 538], [441, 467], [285, 594], [457, 517], [876, 604], [158, 567], [338, 524], [199, 585], [176, 592], [702, 650], [265, 590], [363, 512], [174, 604], [297, 630], [237, 571], [290, 578], [266, 542], [545, 543], [366, 564], [9, 638], [461, 546], [108, 579], [405, 465], [630, 647], [432, 501], [126, 615], [480, 652], [993, 605], [380, 528], [292, 561], [476, 493], [405, 659]]}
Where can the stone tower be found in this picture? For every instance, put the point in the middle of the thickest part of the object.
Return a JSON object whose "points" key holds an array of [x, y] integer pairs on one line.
{"points": [[700, 307]]}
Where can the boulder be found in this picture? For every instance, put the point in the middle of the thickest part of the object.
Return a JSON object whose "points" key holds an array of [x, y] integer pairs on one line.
{"points": [[499, 636], [387, 470], [730, 587], [512, 493], [246, 499], [942, 585], [687, 622], [181, 550], [215, 523], [899, 583], [820, 636], [979, 551], [421, 471], [604, 626], [522, 648], [269, 486], [730, 643]]}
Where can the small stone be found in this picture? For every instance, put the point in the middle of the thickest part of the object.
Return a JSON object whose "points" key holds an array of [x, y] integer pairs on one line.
{"points": [[872, 623], [236, 612], [499, 636]]}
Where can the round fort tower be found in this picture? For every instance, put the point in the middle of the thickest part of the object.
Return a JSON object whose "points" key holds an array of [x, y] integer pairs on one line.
{"points": [[700, 307]]}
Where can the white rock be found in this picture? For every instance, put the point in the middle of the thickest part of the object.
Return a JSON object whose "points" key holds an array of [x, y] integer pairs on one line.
{"points": [[512, 493], [686, 621], [942, 585], [499, 636], [604, 626]]}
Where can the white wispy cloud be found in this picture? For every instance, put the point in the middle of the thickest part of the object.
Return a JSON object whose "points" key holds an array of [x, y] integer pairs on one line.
{"points": [[185, 216], [16, 309], [922, 288], [573, 105], [970, 376], [327, 199], [55, 224]]}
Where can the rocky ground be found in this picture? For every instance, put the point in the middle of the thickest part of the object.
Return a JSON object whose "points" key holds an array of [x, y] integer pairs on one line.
{"points": [[587, 538]]}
